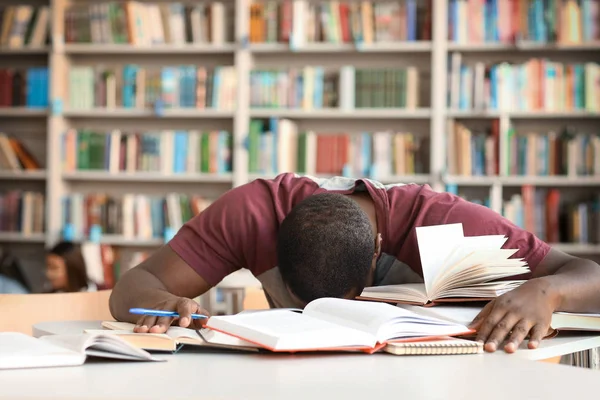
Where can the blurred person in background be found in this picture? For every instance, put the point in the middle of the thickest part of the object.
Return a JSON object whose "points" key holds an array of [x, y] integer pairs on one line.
{"points": [[66, 269]]}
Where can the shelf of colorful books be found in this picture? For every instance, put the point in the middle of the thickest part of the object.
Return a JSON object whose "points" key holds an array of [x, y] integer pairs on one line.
{"points": [[24, 175], [22, 112], [102, 176], [18, 237], [577, 248], [357, 113], [165, 49], [190, 113], [382, 47]]}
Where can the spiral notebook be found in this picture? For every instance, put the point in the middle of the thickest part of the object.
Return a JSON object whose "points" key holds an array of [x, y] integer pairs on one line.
{"points": [[446, 346]]}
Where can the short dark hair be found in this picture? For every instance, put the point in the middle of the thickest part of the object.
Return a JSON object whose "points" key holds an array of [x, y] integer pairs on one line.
{"points": [[325, 247]]}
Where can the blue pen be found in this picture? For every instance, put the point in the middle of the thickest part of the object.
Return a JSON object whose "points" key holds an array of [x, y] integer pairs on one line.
{"points": [[162, 313]]}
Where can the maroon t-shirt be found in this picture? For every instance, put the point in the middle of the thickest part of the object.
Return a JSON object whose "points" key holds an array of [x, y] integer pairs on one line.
{"points": [[239, 230]]}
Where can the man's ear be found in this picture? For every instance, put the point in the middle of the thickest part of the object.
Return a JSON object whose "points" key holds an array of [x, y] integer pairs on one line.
{"points": [[378, 241]]}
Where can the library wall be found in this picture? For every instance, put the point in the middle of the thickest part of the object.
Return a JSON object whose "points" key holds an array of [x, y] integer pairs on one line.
{"points": [[118, 135]]}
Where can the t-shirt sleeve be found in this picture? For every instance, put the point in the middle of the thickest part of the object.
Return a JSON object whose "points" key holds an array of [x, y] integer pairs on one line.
{"points": [[432, 208], [223, 238]]}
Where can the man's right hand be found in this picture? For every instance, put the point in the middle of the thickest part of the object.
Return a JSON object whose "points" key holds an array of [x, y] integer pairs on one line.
{"points": [[183, 306]]}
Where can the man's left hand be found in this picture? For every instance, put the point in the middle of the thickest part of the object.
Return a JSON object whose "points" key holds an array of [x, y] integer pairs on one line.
{"points": [[526, 310]]}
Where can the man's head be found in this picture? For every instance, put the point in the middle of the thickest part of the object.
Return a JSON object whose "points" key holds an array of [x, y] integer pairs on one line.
{"points": [[326, 248]]}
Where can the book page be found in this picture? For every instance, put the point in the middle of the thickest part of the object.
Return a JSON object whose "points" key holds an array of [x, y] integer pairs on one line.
{"points": [[406, 292], [18, 350], [362, 315], [99, 345], [463, 315], [284, 331], [435, 244], [384, 321]]}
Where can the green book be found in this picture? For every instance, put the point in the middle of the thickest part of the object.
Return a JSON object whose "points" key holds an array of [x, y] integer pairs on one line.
{"points": [[205, 152], [401, 88], [83, 150], [256, 127], [301, 167]]}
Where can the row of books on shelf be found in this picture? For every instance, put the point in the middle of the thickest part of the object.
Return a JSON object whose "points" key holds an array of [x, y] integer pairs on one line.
{"points": [[130, 216], [540, 211], [133, 86], [24, 87], [24, 26], [301, 21], [145, 24], [298, 22], [277, 145], [537, 84], [507, 21], [567, 152], [314, 87], [14, 156], [22, 212], [162, 152]]}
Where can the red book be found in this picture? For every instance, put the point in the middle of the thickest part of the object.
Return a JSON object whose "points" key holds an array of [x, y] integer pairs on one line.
{"points": [[345, 22], [285, 17], [552, 216], [496, 136]]}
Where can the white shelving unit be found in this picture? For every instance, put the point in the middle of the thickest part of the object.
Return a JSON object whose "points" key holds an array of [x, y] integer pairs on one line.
{"points": [[433, 115]]}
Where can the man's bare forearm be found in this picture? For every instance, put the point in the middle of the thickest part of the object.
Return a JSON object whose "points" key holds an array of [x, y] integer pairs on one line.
{"points": [[137, 288], [576, 286]]}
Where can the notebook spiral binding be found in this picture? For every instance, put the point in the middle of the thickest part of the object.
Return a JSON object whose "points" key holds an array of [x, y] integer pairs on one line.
{"points": [[441, 347]]}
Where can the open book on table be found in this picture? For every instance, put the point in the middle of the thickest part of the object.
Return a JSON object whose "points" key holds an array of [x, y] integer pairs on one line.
{"points": [[175, 338], [18, 350], [333, 324], [455, 268]]}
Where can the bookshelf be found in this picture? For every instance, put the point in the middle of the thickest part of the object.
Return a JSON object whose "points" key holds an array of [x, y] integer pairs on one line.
{"points": [[239, 48]]}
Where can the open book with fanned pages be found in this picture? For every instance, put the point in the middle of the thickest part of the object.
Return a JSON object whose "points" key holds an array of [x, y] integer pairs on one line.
{"points": [[332, 324], [455, 268]]}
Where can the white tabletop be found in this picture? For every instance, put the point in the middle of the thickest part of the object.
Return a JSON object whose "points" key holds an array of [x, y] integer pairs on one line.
{"points": [[564, 343], [202, 374]]}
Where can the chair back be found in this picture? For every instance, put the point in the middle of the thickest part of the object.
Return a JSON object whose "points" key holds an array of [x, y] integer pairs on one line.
{"points": [[19, 312]]}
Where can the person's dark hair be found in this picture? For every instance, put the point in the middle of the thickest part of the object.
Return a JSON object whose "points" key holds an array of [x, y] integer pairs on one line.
{"points": [[75, 265], [325, 247]]}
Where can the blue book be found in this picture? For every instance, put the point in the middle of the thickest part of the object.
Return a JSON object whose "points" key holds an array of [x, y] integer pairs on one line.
{"points": [[180, 153], [318, 87], [129, 80], [411, 17], [493, 87], [453, 16], [452, 188], [540, 21], [274, 129], [216, 87], [168, 79], [222, 152], [365, 154]]}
